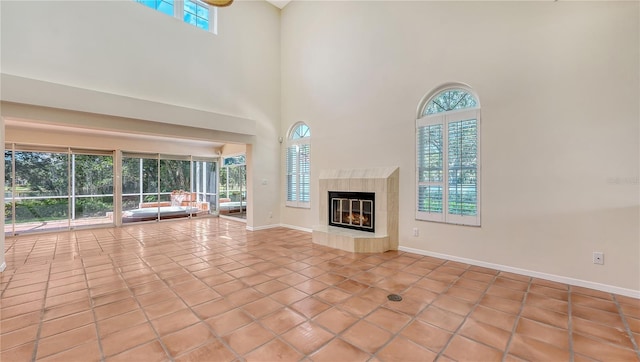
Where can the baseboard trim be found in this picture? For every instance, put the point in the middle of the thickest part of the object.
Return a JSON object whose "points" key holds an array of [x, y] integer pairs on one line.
{"points": [[264, 227], [299, 228], [3, 266], [556, 278]]}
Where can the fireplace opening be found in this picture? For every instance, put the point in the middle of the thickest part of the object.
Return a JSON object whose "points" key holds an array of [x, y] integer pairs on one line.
{"points": [[352, 210]]}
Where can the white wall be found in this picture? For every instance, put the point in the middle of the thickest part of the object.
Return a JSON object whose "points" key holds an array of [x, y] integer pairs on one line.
{"points": [[558, 84], [127, 60], [87, 139], [231, 149]]}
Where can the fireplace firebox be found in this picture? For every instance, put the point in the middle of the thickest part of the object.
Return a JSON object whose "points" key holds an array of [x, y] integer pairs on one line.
{"points": [[352, 210]]}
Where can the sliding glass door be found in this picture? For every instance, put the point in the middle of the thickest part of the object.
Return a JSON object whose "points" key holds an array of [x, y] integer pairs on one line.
{"points": [[175, 177], [56, 188], [158, 186], [41, 190], [8, 192], [205, 182], [233, 186], [48, 188], [140, 180], [92, 188]]}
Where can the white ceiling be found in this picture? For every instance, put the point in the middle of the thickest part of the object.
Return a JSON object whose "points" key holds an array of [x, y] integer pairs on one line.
{"points": [[282, 3], [279, 3]]}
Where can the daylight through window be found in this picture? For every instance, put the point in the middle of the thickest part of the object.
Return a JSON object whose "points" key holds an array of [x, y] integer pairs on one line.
{"points": [[447, 163], [192, 12], [298, 166]]}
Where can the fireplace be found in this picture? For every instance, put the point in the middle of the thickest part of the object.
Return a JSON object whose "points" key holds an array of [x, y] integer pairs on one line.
{"points": [[362, 199], [352, 210]]}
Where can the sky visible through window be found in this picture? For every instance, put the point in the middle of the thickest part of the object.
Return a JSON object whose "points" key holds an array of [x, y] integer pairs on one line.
{"points": [[193, 12]]}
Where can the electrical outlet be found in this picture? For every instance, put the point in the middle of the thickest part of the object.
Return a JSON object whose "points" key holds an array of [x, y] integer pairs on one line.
{"points": [[416, 232], [598, 257], [270, 215]]}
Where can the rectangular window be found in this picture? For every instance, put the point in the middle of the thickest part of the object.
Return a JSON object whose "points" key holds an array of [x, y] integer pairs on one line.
{"points": [[163, 6], [292, 174], [196, 14], [447, 168], [192, 12], [463, 185], [298, 175], [304, 173], [430, 169]]}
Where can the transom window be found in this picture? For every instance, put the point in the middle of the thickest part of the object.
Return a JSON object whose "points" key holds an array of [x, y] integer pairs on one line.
{"points": [[196, 13], [301, 131], [450, 100], [193, 12], [298, 166], [447, 162]]}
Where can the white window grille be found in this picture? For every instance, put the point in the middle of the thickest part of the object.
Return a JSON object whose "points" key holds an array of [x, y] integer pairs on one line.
{"points": [[448, 162], [193, 12], [299, 166]]}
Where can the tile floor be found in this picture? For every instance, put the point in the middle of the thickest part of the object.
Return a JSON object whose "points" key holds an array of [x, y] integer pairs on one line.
{"points": [[208, 290]]}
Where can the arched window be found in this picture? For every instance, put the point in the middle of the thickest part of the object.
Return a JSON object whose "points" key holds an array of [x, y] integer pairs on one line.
{"points": [[448, 156], [298, 166]]}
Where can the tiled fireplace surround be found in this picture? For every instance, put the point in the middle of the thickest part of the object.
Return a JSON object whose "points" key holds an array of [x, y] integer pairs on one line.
{"points": [[384, 183]]}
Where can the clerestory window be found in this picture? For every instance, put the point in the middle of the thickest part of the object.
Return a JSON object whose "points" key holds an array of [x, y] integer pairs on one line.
{"points": [[448, 156], [298, 166], [192, 12]]}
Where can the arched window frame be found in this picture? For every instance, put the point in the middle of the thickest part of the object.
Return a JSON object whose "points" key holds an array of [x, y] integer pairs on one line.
{"points": [[435, 197], [298, 166]]}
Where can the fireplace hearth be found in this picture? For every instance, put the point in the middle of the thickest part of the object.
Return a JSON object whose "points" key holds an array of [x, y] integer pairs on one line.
{"points": [[352, 210]]}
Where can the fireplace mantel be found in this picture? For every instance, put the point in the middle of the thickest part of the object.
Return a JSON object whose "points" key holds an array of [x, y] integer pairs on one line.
{"points": [[384, 182]]}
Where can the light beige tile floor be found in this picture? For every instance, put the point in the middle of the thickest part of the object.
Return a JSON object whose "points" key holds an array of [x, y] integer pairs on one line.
{"points": [[208, 290]]}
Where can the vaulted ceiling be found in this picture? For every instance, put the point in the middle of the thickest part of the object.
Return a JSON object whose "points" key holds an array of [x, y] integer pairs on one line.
{"points": [[279, 3]]}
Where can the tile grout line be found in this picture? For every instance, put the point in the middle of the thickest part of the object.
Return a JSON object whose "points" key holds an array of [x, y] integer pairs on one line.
{"points": [[516, 321], [30, 251], [287, 306], [278, 336], [93, 311], [166, 349], [570, 324], [236, 246], [53, 257], [358, 318], [466, 317], [307, 319], [626, 326], [217, 337], [34, 354], [413, 317], [135, 297]]}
